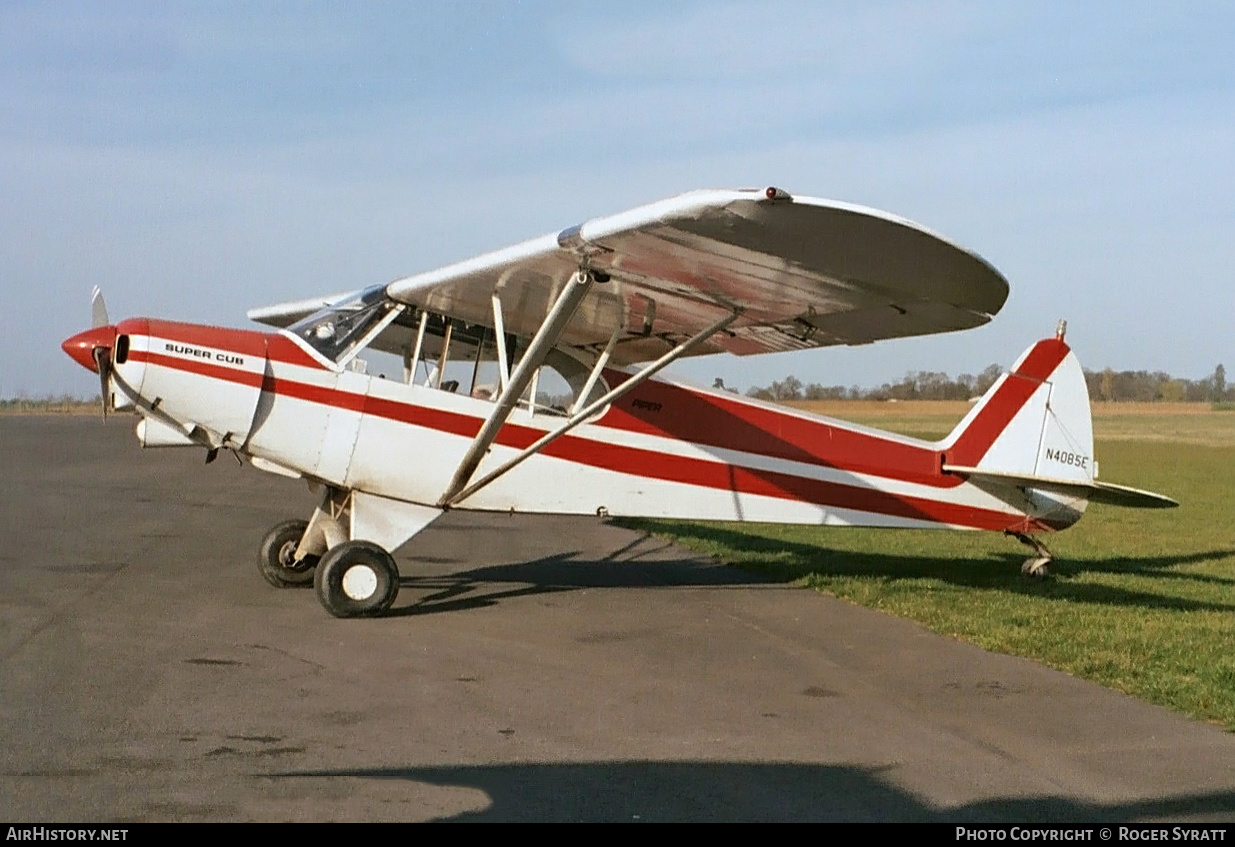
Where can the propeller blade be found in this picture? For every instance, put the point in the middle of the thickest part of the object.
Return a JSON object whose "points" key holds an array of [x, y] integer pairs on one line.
{"points": [[98, 308], [102, 360]]}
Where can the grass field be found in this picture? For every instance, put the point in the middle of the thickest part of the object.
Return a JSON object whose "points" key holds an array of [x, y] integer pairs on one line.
{"points": [[1140, 600]]}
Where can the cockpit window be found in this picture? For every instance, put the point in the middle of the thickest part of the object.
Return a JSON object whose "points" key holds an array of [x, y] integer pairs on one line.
{"points": [[558, 386], [340, 330], [466, 359]]}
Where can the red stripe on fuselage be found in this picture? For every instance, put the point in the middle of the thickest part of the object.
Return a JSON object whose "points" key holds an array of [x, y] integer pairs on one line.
{"points": [[252, 379], [671, 411], [242, 341], [280, 348]]}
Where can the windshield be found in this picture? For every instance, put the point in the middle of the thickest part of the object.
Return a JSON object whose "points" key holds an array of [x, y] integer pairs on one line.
{"points": [[340, 330]]}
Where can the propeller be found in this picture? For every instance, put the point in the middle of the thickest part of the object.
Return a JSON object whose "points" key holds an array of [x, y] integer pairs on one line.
{"points": [[92, 348], [98, 309], [102, 363], [102, 355]]}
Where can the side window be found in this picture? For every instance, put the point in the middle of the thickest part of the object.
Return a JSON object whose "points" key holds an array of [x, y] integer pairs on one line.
{"points": [[559, 383], [453, 356], [464, 359], [554, 395]]}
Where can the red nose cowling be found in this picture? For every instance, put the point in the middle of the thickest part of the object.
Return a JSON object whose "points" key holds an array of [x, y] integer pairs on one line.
{"points": [[81, 346]]}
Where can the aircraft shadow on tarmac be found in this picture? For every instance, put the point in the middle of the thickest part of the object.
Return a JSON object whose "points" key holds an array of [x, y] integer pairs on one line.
{"points": [[639, 564], [742, 791], [642, 563]]}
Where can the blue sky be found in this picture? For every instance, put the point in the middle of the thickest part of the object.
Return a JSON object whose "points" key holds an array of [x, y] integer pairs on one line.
{"points": [[196, 160]]}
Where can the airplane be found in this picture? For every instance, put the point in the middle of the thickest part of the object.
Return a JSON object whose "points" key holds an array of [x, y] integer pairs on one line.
{"points": [[521, 380]]}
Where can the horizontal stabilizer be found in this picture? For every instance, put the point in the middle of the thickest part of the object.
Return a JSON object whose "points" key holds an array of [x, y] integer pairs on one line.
{"points": [[1094, 492]]}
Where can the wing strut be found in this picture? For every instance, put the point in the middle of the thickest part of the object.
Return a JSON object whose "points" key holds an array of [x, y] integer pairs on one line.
{"points": [[499, 329], [412, 355], [542, 344], [601, 361], [589, 410]]}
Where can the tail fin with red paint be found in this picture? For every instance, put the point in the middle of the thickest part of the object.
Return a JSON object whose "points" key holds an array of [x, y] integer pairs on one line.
{"points": [[1033, 431]]}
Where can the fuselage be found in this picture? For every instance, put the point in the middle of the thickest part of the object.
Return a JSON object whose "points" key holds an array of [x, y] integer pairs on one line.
{"points": [[663, 450]]}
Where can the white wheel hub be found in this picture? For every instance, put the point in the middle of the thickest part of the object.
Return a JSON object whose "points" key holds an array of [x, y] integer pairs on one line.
{"points": [[360, 582]]}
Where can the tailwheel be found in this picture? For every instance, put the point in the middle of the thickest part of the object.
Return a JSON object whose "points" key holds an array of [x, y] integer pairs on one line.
{"points": [[276, 559], [356, 579], [1035, 567]]}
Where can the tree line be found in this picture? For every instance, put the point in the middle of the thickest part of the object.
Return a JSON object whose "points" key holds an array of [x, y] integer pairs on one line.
{"points": [[1106, 385], [47, 403]]}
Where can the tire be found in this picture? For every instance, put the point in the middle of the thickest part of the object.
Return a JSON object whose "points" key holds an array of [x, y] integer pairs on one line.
{"points": [[274, 558], [356, 579]]}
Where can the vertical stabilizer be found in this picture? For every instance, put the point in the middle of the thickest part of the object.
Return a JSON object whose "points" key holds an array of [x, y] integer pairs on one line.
{"points": [[1034, 421]]}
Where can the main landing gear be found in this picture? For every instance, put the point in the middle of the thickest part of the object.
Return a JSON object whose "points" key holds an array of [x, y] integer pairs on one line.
{"points": [[276, 559], [352, 579], [1035, 567], [356, 579], [352, 576]]}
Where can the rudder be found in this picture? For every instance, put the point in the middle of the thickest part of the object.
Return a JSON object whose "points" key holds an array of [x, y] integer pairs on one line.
{"points": [[1033, 422]]}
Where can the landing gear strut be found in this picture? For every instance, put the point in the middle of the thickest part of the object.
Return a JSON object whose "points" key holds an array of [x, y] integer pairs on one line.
{"points": [[1035, 566]]}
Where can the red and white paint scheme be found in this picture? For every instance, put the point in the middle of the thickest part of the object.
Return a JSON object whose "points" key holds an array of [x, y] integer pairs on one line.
{"points": [[558, 416]]}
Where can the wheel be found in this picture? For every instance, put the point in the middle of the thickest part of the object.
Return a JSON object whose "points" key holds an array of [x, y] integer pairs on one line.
{"points": [[274, 558], [356, 579], [1036, 567]]}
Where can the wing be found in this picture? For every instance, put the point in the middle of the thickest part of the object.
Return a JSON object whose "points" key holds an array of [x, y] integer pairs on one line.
{"points": [[805, 272]]}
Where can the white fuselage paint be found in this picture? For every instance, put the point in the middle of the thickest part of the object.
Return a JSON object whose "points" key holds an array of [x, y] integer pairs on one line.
{"points": [[312, 422]]}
